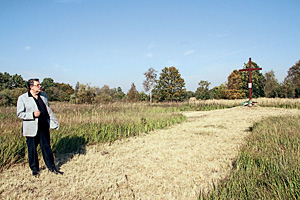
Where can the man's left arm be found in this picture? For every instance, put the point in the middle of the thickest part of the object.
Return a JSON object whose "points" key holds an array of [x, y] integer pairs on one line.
{"points": [[45, 99]]}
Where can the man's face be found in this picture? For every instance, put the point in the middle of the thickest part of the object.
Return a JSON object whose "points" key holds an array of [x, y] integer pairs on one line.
{"points": [[36, 87]]}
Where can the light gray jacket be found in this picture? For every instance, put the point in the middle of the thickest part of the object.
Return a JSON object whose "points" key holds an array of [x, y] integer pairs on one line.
{"points": [[25, 107]]}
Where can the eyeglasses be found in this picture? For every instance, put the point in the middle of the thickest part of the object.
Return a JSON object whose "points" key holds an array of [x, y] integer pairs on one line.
{"points": [[39, 85]]}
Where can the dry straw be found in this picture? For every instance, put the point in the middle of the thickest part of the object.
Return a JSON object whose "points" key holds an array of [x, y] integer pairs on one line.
{"points": [[174, 163]]}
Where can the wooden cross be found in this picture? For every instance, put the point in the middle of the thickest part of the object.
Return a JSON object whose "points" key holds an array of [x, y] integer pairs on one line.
{"points": [[250, 83]]}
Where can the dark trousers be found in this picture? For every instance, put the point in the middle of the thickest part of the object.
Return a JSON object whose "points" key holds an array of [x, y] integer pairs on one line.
{"points": [[42, 138]]}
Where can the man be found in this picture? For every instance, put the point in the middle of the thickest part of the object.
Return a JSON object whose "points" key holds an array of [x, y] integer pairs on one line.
{"points": [[33, 108]]}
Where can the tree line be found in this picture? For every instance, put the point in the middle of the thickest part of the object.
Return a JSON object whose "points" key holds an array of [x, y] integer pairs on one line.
{"points": [[264, 85], [169, 86]]}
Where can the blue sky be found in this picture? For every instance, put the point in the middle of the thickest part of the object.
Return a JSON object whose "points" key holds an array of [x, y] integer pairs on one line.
{"points": [[114, 42]]}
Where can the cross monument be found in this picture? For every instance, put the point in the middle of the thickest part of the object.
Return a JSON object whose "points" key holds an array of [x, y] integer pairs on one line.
{"points": [[250, 82]]}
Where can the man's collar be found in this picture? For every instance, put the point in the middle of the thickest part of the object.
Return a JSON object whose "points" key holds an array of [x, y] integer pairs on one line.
{"points": [[30, 95]]}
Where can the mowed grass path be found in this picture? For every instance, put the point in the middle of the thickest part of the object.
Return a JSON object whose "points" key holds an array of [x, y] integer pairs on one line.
{"points": [[174, 163]]}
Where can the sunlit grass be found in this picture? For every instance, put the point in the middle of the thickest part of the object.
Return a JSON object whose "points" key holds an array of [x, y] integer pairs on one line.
{"points": [[279, 103], [268, 166], [83, 125]]}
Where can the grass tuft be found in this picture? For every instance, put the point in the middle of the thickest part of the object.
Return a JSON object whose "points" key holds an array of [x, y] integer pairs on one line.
{"points": [[268, 166]]}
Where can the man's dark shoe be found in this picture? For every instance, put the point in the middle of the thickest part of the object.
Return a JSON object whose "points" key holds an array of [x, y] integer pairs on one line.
{"points": [[56, 171], [35, 173]]}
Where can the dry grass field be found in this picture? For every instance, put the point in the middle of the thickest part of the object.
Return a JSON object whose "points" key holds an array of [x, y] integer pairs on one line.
{"points": [[174, 163]]}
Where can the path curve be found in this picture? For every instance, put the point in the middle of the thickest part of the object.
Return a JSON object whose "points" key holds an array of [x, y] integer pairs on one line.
{"points": [[174, 163]]}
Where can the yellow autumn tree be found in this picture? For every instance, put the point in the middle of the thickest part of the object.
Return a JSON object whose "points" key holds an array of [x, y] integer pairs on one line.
{"points": [[233, 86]]}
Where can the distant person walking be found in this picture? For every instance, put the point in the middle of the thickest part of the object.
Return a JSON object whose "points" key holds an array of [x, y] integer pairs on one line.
{"points": [[33, 108]]}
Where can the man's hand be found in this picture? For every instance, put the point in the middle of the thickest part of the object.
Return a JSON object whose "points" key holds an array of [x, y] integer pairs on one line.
{"points": [[36, 113]]}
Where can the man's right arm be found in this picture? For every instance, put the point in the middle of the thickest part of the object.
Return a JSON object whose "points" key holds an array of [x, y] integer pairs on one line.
{"points": [[21, 110]]}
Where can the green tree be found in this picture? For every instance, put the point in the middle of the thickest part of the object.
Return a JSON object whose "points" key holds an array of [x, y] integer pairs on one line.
{"points": [[189, 94], [219, 92], [85, 94], [50, 88], [104, 95], [16, 81], [106, 90], [77, 87], [289, 89], [9, 97], [202, 91], [170, 86], [11, 87], [65, 91], [119, 94], [143, 96], [8, 81], [257, 81], [4, 80], [271, 85], [48, 83], [57, 91], [281, 90], [292, 81], [150, 81], [133, 94]]}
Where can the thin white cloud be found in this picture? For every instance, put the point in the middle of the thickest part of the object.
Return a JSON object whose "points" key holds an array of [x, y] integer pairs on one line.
{"points": [[150, 46], [27, 48], [149, 55], [58, 67], [189, 52], [246, 49]]}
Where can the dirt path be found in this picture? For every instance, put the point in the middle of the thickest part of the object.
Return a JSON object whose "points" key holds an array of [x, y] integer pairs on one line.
{"points": [[167, 164]]}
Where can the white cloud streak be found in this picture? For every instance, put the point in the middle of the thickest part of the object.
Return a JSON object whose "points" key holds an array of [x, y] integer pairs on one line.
{"points": [[58, 67], [150, 46], [189, 52], [149, 55]]}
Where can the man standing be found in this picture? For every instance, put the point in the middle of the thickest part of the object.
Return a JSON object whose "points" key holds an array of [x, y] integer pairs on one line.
{"points": [[33, 108]]}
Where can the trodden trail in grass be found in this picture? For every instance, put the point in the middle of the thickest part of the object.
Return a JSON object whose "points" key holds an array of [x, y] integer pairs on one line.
{"points": [[174, 163]]}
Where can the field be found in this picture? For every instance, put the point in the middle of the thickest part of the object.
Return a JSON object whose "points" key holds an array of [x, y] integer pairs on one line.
{"points": [[181, 162], [82, 125]]}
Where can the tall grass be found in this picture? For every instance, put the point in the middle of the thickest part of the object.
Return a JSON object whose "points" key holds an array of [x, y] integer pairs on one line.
{"points": [[279, 103], [268, 166], [90, 124], [83, 125], [200, 105]]}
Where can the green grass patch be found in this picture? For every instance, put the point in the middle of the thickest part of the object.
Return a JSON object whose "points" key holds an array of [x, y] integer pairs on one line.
{"points": [[82, 125], [268, 166]]}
